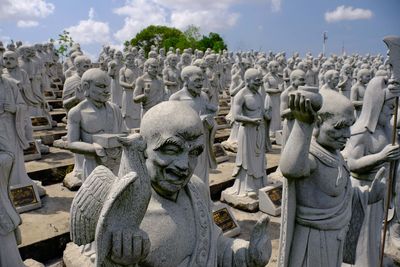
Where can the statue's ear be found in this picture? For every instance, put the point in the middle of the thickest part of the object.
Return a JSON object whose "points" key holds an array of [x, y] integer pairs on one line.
{"points": [[85, 87]]}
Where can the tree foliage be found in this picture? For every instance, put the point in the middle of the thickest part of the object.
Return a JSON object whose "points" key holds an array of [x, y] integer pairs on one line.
{"points": [[166, 37], [64, 44]]}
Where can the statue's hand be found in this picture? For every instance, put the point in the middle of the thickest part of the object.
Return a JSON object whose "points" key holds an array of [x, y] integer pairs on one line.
{"points": [[99, 150], [129, 246], [301, 108], [377, 191], [390, 152], [10, 108], [260, 247]]}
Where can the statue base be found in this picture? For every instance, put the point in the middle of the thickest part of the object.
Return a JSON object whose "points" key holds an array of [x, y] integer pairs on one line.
{"points": [[25, 197], [248, 202]]}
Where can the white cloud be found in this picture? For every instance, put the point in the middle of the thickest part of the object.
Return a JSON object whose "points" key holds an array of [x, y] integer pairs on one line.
{"points": [[25, 9], [90, 31], [276, 5], [207, 20], [139, 14], [27, 23], [347, 13]]}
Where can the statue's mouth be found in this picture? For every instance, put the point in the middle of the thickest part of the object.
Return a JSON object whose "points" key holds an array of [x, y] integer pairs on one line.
{"points": [[176, 177]]}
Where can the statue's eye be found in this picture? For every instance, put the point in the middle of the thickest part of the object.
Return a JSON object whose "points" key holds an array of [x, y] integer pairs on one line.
{"points": [[171, 149], [196, 151]]}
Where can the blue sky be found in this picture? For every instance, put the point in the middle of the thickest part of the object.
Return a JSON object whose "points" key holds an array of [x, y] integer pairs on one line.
{"points": [[277, 25]]}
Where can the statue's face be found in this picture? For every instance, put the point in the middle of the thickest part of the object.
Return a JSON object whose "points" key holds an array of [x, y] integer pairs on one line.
{"points": [[130, 60], [334, 81], [99, 89], [82, 66], [255, 82], [171, 160], [334, 131], [10, 60], [298, 80], [173, 61], [274, 68], [152, 69], [119, 56], [365, 78], [195, 83], [186, 59]]}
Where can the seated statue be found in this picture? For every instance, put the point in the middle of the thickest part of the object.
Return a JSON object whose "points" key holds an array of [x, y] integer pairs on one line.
{"points": [[94, 115], [250, 166], [322, 213], [156, 209], [192, 94]]}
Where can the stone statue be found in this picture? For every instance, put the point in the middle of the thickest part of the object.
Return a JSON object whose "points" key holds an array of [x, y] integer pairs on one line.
{"points": [[192, 94], [358, 90], [345, 80], [212, 76], [14, 137], [149, 89], [250, 166], [297, 78], [114, 67], [331, 78], [171, 76], [168, 223], [71, 65], [273, 85], [30, 66], [94, 115], [127, 79], [10, 236], [12, 70], [321, 213], [369, 148], [73, 94], [237, 84]]}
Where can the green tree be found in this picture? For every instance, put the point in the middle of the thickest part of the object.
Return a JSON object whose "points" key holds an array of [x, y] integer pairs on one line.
{"points": [[64, 44], [166, 37], [159, 36]]}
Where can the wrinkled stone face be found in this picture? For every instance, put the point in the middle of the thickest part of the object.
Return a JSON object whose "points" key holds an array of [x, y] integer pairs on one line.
{"points": [[195, 83], [130, 60], [99, 90], [334, 132], [83, 66], [387, 112], [172, 158]]}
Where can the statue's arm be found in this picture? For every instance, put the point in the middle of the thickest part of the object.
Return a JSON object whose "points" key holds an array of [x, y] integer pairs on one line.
{"points": [[138, 93], [295, 162], [74, 141], [237, 111], [122, 80], [166, 78], [354, 97], [359, 162]]}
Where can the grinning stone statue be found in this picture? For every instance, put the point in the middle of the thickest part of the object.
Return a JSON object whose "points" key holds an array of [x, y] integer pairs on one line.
{"points": [[156, 209]]}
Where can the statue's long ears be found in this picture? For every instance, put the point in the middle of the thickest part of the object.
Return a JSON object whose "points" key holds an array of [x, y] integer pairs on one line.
{"points": [[393, 44]]}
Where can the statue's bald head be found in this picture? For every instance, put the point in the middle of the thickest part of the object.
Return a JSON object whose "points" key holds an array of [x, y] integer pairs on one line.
{"points": [[189, 71], [171, 118], [334, 103], [95, 75]]}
